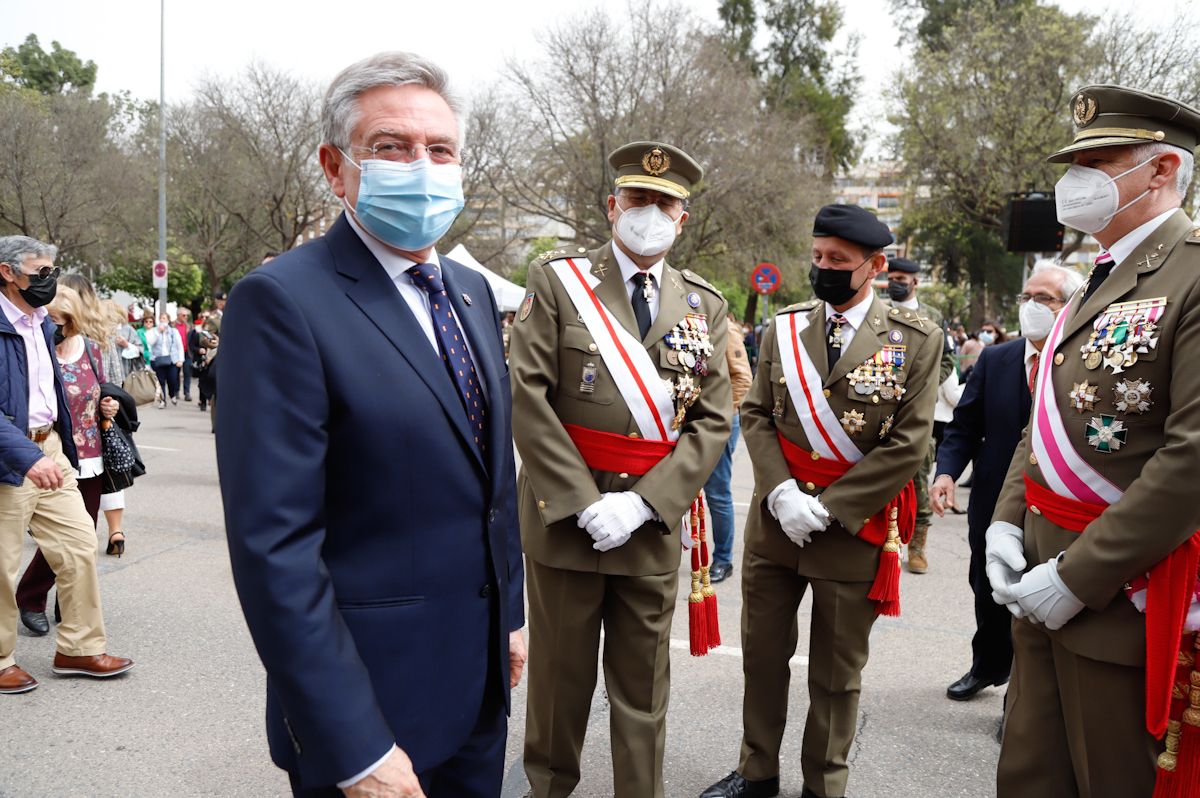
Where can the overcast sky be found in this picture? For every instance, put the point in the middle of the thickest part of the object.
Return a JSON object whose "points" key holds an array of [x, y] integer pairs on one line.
{"points": [[470, 39]]}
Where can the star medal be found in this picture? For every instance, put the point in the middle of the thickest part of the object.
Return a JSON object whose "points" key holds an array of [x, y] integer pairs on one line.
{"points": [[1133, 396], [886, 426], [1106, 434], [853, 422], [1083, 396]]}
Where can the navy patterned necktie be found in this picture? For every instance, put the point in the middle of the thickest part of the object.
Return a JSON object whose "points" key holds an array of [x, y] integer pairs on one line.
{"points": [[453, 347]]}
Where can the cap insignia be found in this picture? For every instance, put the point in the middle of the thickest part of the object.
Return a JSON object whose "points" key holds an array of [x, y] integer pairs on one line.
{"points": [[1085, 110], [655, 162]]}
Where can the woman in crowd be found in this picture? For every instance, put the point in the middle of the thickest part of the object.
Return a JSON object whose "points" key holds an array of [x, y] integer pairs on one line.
{"points": [[166, 356], [82, 383]]}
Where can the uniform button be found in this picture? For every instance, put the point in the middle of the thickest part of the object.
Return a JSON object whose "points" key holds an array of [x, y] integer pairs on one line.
{"points": [[827, 393], [485, 591], [1058, 359], [582, 250], [541, 505], [809, 486], [895, 312], [1033, 509], [623, 475], [875, 400], [783, 380], [634, 435], [1033, 459], [816, 456], [591, 347]]}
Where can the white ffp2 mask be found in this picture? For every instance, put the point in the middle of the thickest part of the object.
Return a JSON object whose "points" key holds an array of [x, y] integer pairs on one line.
{"points": [[1086, 198], [646, 230], [1036, 320]]}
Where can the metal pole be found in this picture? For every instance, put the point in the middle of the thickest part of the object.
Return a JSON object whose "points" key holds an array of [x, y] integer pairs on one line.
{"points": [[162, 147]]}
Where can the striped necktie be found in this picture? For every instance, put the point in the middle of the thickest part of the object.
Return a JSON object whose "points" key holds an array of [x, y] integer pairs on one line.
{"points": [[1104, 266], [452, 346]]}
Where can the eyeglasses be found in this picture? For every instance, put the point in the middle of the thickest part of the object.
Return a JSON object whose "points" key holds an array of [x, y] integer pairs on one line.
{"points": [[407, 151], [665, 202], [1041, 299], [44, 272]]}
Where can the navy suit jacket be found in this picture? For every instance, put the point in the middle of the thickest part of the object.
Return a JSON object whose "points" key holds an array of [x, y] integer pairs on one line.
{"points": [[375, 552], [987, 426]]}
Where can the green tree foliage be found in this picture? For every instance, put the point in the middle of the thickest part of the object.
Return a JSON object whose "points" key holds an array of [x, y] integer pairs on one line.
{"points": [[799, 68], [184, 283], [929, 20], [59, 71]]}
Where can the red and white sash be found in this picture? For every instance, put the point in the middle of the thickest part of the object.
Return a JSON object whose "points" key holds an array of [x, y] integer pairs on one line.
{"points": [[1067, 473], [633, 371], [821, 426]]}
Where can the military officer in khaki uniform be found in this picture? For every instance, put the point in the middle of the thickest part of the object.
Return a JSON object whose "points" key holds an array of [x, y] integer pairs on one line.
{"points": [[904, 276], [836, 422], [1102, 488], [621, 407]]}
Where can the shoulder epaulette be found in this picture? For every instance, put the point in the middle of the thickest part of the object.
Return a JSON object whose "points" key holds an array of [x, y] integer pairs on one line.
{"points": [[801, 306], [696, 279], [913, 319], [1194, 236], [554, 254]]}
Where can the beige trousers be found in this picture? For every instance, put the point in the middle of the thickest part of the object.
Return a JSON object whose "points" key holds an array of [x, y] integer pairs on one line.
{"points": [[65, 534]]}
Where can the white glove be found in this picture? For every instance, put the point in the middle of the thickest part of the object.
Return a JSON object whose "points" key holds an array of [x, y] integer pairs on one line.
{"points": [[1005, 560], [613, 519], [799, 514], [1045, 598]]}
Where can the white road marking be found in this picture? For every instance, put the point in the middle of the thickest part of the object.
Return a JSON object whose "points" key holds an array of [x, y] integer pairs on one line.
{"points": [[733, 651], [156, 448]]}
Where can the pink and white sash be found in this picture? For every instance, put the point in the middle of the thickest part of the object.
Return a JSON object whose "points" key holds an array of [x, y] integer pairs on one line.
{"points": [[821, 426], [633, 371]]}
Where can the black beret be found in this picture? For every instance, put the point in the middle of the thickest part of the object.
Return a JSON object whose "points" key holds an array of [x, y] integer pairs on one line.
{"points": [[902, 265], [854, 224], [220, 295]]}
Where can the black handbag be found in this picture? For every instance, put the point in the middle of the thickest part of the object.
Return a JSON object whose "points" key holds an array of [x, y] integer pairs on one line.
{"points": [[122, 460]]}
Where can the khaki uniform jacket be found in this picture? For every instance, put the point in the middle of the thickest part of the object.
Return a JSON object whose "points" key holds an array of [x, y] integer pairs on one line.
{"points": [[1158, 464], [892, 452], [549, 350]]}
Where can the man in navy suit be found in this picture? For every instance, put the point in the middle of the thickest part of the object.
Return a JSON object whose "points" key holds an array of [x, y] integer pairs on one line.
{"points": [[986, 428], [366, 465]]}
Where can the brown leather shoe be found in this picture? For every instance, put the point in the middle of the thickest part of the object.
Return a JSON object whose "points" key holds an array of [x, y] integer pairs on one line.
{"points": [[14, 680], [100, 666]]}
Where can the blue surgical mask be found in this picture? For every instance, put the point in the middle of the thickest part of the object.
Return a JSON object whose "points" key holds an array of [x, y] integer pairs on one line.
{"points": [[408, 206]]}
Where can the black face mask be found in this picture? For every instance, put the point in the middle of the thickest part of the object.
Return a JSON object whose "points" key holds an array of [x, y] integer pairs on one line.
{"points": [[898, 291], [834, 286], [40, 292], [58, 334]]}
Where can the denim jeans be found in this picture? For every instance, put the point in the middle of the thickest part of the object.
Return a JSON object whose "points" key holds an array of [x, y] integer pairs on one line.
{"points": [[720, 499]]}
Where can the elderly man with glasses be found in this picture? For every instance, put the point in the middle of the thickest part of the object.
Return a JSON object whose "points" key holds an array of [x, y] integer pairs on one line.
{"points": [[38, 462]]}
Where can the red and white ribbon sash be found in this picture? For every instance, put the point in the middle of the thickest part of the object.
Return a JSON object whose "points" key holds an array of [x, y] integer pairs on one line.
{"points": [[821, 426], [1066, 472], [633, 371]]}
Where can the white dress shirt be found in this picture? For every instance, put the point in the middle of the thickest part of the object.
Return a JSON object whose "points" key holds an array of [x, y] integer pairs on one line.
{"points": [[910, 303], [629, 269], [855, 317]]}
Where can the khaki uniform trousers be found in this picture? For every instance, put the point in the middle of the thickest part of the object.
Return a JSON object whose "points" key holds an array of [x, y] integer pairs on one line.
{"points": [[566, 612], [67, 537], [842, 618], [1075, 726]]}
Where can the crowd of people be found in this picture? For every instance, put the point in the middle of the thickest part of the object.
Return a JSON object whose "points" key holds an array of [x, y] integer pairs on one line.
{"points": [[392, 639]]}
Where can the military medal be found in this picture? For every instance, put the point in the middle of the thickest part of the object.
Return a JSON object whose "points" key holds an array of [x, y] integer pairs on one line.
{"points": [[648, 290], [778, 411], [686, 394], [853, 422], [1122, 332], [1106, 434], [1083, 396], [587, 382], [1133, 396], [886, 426]]}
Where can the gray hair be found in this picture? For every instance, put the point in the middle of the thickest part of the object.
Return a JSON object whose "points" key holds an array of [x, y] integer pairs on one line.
{"points": [[15, 250], [1187, 162], [339, 109], [1069, 279]]}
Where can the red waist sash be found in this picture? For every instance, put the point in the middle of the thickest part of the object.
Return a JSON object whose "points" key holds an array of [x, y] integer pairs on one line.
{"points": [[1168, 594], [806, 466], [608, 451]]}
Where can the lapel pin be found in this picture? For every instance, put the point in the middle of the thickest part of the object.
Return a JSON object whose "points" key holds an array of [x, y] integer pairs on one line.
{"points": [[466, 298], [693, 299]]}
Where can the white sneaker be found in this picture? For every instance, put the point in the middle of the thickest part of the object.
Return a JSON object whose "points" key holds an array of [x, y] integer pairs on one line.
{"points": [[161, 404]]}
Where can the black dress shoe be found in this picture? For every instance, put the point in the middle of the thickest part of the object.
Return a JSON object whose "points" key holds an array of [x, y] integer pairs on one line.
{"points": [[720, 572], [35, 622], [734, 786], [969, 686]]}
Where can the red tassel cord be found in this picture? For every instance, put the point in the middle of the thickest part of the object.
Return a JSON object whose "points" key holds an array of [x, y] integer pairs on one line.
{"points": [[1178, 772], [885, 591], [709, 592], [697, 618]]}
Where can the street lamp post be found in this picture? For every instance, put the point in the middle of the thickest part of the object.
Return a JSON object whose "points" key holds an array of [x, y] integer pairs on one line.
{"points": [[162, 149]]}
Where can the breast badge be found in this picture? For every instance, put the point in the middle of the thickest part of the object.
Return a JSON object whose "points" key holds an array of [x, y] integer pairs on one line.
{"points": [[587, 381], [886, 426], [1133, 396], [1122, 332], [853, 422], [1106, 434], [1083, 397]]}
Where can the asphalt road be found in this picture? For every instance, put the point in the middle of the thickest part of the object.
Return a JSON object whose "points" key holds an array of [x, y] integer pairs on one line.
{"points": [[187, 721]]}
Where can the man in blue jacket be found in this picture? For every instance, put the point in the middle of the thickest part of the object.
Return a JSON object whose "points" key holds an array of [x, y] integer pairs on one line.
{"points": [[987, 425], [38, 462], [366, 463]]}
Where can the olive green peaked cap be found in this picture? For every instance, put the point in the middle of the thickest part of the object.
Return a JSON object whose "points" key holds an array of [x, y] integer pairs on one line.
{"points": [[1110, 116], [656, 166]]}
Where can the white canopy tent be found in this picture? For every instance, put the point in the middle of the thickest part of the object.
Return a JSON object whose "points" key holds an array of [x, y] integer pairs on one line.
{"points": [[508, 294]]}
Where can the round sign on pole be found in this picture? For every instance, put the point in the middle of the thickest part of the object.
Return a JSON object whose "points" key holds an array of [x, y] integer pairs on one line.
{"points": [[766, 278], [159, 271]]}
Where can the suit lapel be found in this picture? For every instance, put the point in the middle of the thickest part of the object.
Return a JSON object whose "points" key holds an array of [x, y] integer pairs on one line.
{"points": [[373, 291], [812, 338], [1148, 257], [476, 321], [672, 306], [865, 344], [611, 290]]}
